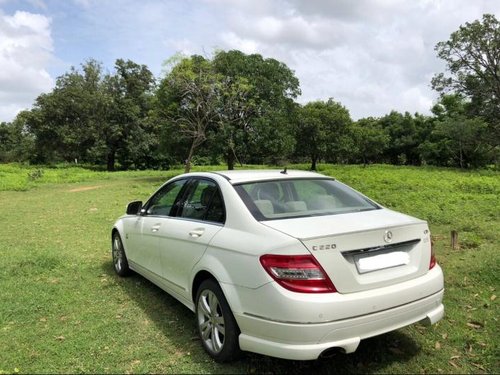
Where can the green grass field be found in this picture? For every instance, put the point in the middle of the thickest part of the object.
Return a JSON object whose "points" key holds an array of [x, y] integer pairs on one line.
{"points": [[62, 309]]}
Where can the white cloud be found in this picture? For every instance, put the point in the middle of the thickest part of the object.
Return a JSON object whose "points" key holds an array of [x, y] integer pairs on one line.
{"points": [[371, 55], [25, 50], [232, 41], [183, 46]]}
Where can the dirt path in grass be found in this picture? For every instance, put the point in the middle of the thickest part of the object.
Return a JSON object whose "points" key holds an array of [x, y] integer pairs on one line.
{"points": [[85, 188]]}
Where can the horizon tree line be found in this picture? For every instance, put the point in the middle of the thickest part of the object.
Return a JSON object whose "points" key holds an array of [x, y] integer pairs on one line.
{"points": [[241, 109]]}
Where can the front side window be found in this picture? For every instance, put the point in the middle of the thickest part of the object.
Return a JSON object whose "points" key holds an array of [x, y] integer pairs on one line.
{"points": [[203, 202], [301, 197], [165, 202]]}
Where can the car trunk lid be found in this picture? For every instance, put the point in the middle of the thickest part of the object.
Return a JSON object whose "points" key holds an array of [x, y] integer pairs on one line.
{"points": [[363, 250]]}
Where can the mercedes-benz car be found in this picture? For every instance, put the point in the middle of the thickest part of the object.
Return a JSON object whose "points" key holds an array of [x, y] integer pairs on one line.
{"points": [[290, 264]]}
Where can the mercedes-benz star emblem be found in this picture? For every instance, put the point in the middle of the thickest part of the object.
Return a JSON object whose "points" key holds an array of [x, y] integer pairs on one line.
{"points": [[388, 236]]}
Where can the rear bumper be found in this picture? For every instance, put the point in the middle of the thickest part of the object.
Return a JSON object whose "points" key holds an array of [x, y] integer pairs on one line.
{"points": [[308, 341]]}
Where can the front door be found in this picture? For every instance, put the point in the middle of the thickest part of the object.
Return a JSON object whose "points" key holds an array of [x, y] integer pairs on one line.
{"points": [[145, 238]]}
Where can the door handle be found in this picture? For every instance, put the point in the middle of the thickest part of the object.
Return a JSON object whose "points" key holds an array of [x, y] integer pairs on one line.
{"points": [[155, 228], [198, 232]]}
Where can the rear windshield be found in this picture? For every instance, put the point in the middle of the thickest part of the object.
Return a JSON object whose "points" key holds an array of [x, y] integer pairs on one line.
{"points": [[282, 199]]}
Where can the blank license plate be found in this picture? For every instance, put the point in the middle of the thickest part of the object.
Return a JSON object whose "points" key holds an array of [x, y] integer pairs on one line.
{"points": [[368, 263]]}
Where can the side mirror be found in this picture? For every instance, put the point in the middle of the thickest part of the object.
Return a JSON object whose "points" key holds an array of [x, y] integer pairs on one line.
{"points": [[133, 208]]}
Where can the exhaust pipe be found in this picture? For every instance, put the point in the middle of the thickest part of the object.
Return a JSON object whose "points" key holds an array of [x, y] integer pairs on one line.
{"points": [[331, 352]]}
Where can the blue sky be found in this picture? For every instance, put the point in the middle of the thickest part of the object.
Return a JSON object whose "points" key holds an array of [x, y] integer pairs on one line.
{"points": [[146, 32], [371, 55]]}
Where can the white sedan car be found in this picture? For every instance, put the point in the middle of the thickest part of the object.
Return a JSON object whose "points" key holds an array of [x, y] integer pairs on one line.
{"points": [[289, 264]]}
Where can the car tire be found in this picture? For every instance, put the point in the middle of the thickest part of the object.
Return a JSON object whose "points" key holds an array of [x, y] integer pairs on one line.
{"points": [[120, 262], [217, 327]]}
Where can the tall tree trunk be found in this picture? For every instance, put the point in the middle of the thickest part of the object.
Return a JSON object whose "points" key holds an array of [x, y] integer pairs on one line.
{"points": [[230, 159], [314, 159], [111, 161], [187, 166], [461, 155]]}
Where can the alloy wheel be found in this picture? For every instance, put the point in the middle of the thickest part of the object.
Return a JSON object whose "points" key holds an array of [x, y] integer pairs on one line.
{"points": [[211, 321], [117, 253]]}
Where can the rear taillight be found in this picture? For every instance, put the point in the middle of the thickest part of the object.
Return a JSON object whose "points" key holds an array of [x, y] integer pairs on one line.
{"points": [[433, 256], [298, 273]]}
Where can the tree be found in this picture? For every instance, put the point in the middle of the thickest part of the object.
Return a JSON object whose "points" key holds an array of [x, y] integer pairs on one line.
{"points": [[272, 140], [456, 139], [64, 121], [321, 129], [472, 55], [16, 144], [462, 139], [232, 101], [190, 97], [92, 116], [261, 93], [370, 140], [404, 138], [128, 132]]}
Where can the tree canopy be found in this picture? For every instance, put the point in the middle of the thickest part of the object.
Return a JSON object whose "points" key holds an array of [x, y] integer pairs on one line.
{"points": [[91, 116], [472, 57], [229, 101], [321, 130]]}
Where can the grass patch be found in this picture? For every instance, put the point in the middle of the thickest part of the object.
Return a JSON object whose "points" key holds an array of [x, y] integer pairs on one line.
{"points": [[18, 177], [63, 310]]}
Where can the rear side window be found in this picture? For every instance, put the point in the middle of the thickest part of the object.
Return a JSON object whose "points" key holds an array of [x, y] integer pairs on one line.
{"points": [[301, 197], [203, 202]]}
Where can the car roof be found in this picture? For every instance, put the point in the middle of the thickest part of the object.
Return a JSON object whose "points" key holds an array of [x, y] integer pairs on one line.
{"points": [[252, 175]]}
